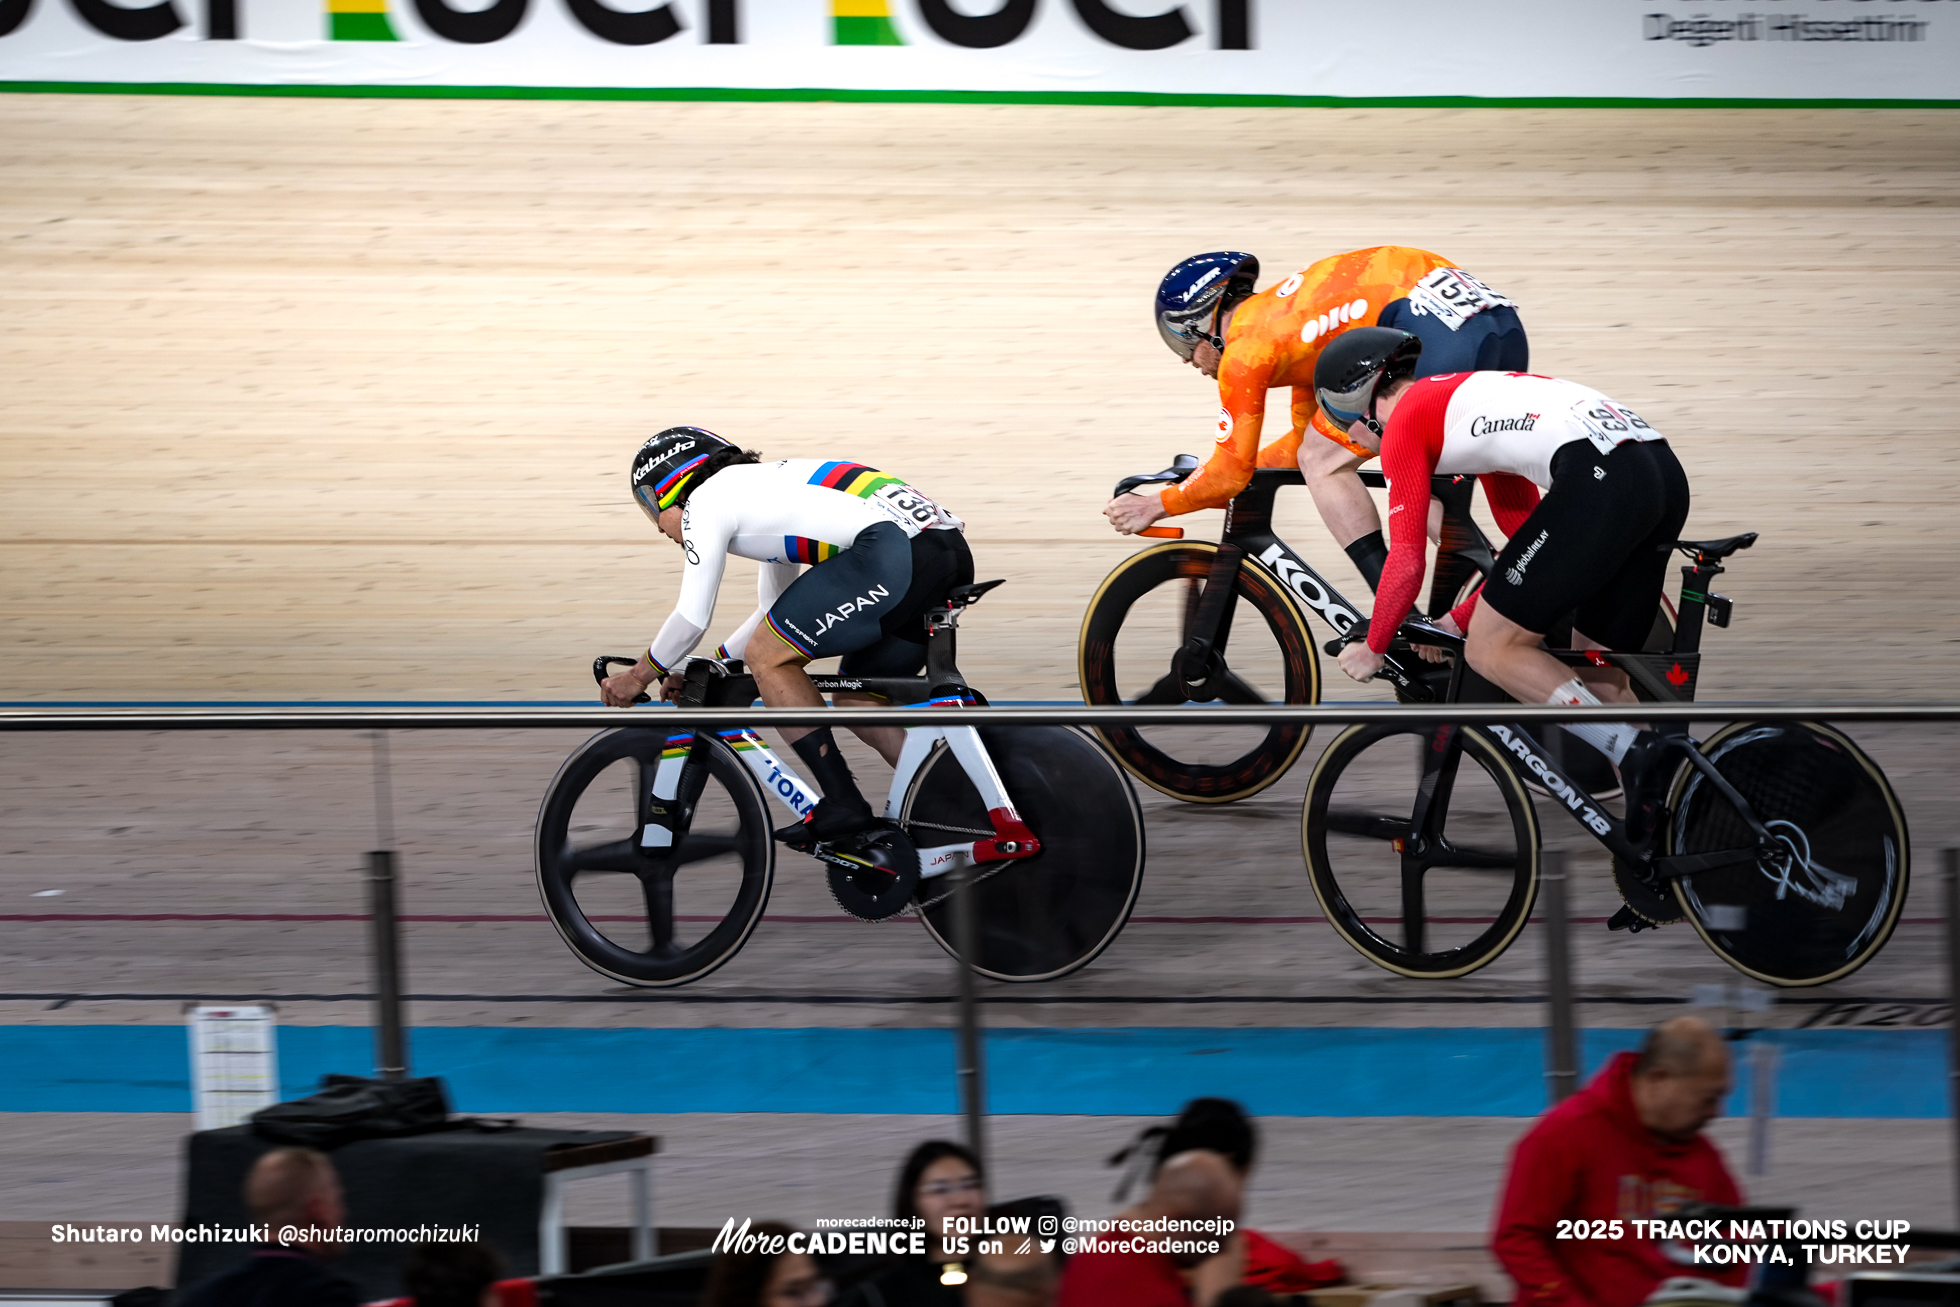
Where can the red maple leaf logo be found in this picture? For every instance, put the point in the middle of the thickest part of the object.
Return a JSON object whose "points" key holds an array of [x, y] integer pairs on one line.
{"points": [[1675, 676]]}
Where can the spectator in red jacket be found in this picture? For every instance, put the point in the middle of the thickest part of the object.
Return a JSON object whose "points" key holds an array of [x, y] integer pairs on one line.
{"points": [[1628, 1146]]}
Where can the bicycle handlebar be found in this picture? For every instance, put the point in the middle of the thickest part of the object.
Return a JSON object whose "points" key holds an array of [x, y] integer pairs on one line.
{"points": [[1181, 467], [603, 662], [1414, 629]]}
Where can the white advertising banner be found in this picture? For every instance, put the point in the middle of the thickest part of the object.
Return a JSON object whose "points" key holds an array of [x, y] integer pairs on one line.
{"points": [[1185, 50]]}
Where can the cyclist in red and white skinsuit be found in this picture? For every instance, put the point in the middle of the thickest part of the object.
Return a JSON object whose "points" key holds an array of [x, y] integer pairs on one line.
{"points": [[1595, 544]]}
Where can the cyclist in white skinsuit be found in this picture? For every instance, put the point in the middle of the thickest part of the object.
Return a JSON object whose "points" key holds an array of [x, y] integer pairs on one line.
{"points": [[879, 555]]}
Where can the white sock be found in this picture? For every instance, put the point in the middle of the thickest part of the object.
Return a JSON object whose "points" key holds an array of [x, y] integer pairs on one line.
{"points": [[1611, 738]]}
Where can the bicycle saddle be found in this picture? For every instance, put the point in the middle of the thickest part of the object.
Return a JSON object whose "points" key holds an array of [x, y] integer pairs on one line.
{"points": [[1181, 467], [1716, 548], [962, 595]]}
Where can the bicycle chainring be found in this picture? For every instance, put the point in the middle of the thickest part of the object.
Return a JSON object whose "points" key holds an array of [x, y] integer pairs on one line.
{"points": [[874, 875], [1660, 907]]}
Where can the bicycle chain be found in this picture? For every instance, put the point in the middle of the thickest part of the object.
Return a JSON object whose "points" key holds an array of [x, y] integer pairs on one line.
{"points": [[933, 903], [958, 830]]}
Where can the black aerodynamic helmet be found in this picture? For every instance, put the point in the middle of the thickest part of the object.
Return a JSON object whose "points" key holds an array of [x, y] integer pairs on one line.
{"points": [[1353, 366], [1196, 291], [665, 465]]}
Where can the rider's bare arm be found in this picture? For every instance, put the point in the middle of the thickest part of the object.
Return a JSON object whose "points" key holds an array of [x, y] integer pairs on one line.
{"points": [[1344, 503]]}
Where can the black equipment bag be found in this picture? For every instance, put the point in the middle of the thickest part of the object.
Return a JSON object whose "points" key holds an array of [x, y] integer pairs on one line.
{"points": [[347, 1108]]}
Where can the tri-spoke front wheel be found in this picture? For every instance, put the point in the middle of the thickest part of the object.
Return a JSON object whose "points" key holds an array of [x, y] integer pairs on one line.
{"points": [[650, 915], [1422, 847]]}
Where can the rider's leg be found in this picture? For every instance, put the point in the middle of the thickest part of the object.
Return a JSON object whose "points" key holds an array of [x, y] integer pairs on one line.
{"points": [[887, 740], [1609, 683], [782, 682], [1344, 503]]}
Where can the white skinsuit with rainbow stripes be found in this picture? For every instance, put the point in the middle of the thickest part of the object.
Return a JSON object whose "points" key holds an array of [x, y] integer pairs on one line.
{"points": [[782, 514]]}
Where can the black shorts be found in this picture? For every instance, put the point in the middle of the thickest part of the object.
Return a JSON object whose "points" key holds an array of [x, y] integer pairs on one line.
{"points": [[1491, 341], [1597, 545], [868, 604]]}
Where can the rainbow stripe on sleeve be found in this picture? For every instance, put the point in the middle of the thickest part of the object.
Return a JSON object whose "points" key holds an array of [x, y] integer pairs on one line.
{"points": [[853, 479], [802, 549]]}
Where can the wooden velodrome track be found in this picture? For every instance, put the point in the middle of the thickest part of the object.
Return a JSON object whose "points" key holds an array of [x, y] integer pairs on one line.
{"points": [[333, 399]]}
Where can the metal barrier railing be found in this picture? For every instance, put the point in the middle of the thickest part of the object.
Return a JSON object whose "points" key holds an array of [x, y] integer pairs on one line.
{"points": [[451, 719], [1562, 1063]]}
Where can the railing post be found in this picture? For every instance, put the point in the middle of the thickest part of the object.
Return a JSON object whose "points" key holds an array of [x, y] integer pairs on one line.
{"points": [[1950, 866], [1561, 1051], [390, 1051], [390, 1048], [972, 1072]]}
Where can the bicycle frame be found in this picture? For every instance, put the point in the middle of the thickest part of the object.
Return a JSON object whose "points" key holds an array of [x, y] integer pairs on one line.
{"points": [[941, 687], [1462, 553], [1670, 676]]}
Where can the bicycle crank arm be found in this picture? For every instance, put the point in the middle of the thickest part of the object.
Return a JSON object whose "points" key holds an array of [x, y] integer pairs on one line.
{"points": [[1688, 864]]}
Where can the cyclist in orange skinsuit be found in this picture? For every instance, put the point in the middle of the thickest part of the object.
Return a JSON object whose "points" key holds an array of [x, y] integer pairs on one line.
{"points": [[1252, 343]]}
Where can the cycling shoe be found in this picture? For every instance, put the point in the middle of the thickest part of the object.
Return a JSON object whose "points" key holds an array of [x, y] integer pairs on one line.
{"points": [[1643, 773], [827, 823]]}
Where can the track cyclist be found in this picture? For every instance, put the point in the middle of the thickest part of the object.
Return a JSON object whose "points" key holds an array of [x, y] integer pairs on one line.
{"points": [[1595, 545], [882, 555], [1208, 313]]}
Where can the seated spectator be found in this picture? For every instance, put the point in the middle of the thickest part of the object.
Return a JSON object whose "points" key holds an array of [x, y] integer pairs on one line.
{"points": [[466, 1273], [759, 1279], [1011, 1279], [940, 1180], [1629, 1145], [1222, 1126], [1198, 1185], [287, 1186]]}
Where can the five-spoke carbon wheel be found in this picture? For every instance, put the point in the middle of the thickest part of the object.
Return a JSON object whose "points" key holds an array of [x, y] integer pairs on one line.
{"points": [[1827, 897], [650, 916], [1049, 915], [1422, 847], [1128, 654]]}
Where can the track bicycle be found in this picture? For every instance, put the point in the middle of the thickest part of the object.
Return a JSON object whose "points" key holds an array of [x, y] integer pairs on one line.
{"points": [[655, 856], [1196, 622], [1782, 844]]}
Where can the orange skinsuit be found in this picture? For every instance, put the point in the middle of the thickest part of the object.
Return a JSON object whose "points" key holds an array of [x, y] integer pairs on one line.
{"points": [[1274, 340]]}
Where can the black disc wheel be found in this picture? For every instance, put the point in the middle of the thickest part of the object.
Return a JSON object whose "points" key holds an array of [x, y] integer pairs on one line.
{"points": [[655, 916], [1049, 915], [1129, 653], [1422, 847], [1825, 899]]}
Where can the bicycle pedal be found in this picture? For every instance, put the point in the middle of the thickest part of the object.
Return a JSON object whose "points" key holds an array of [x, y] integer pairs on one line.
{"points": [[1628, 920]]}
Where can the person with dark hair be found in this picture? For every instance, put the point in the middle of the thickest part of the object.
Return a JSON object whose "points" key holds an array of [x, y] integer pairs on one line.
{"points": [[881, 556], [1193, 1255], [1221, 1126], [462, 1274], [766, 1279], [286, 1187], [940, 1180]]}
